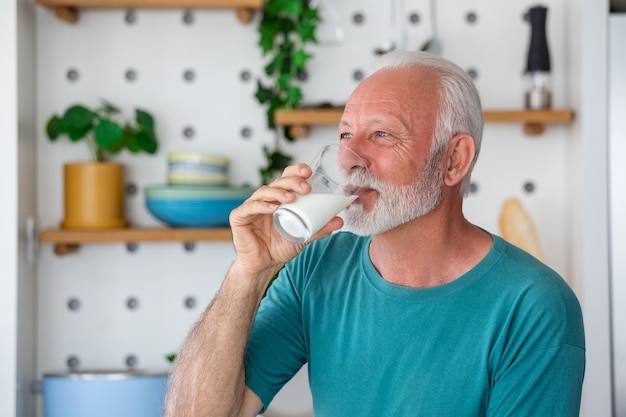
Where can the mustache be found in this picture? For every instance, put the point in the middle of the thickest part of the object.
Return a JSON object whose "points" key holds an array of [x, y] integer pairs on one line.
{"points": [[363, 179]]}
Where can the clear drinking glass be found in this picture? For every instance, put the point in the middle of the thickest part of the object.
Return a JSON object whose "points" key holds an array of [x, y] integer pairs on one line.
{"points": [[330, 194]]}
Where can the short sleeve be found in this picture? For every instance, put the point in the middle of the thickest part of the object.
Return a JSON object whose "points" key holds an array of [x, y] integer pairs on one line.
{"points": [[276, 349]]}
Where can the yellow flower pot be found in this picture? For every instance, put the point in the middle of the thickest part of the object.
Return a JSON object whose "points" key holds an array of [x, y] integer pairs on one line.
{"points": [[94, 195]]}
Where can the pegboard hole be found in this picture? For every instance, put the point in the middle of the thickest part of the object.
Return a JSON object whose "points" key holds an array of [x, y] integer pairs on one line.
{"points": [[245, 75], [189, 132], [471, 17], [529, 187], [473, 73], [73, 362], [130, 75], [131, 361], [73, 304], [189, 246], [189, 75], [190, 302], [132, 303], [358, 18], [246, 132], [414, 18], [72, 75], [473, 188], [302, 75], [358, 75], [132, 247], [188, 17], [130, 188], [130, 17]]}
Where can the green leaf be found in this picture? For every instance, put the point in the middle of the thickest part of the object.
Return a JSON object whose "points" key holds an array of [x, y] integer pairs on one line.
{"points": [[312, 15], [108, 109], [284, 80], [132, 143], [268, 31], [291, 8], [307, 32], [52, 127], [277, 162], [78, 118], [294, 95], [147, 141], [263, 94], [275, 64], [75, 134], [287, 134], [300, 58], [107, 133], [144, 120]]}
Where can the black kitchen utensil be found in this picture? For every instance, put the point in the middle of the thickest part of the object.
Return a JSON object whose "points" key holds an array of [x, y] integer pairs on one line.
{"points": [[538, 94]]}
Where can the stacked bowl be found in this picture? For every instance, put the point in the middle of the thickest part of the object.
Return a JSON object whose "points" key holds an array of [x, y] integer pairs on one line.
{"points": [[192, 168], [197, 193]]}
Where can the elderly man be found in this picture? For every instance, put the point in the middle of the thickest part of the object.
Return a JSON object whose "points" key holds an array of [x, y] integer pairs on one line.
{"points": [[411, 310]]}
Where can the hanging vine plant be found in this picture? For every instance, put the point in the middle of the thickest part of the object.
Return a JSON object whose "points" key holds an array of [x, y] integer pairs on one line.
{"points": [[285, 29]]}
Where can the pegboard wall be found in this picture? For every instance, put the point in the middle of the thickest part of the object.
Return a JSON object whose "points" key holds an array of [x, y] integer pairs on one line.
{"points": [[118, 306]]}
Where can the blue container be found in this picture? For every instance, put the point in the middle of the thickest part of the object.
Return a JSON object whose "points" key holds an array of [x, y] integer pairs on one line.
{"points": [[104, 394]]}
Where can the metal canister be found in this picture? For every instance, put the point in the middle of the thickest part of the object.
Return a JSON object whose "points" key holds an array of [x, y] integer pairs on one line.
{"points": [[104, 393]]}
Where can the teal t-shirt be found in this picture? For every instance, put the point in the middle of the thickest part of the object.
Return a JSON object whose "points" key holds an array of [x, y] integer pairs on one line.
{"points": [[505, 339]]}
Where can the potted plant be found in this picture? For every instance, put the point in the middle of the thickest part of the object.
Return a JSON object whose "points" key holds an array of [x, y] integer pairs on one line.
{"points": [[285, 29], [94, 191]]}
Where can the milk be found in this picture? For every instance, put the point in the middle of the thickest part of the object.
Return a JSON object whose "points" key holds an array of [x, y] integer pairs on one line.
{"points": [[299, 220]]}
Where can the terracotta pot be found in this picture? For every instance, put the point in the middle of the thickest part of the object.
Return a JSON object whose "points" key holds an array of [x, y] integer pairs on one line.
{"points": [[94, 195]]}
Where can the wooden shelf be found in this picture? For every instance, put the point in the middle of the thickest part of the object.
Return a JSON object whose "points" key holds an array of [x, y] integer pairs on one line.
{"points": [[68, 9], [69, 240], [534, 120]]}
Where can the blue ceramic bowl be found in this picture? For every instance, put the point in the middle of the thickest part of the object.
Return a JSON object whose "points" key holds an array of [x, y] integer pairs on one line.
{"points": [[194, 206]]}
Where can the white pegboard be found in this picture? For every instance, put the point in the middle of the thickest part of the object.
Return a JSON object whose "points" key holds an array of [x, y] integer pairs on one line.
{"points": [[217, 104]]}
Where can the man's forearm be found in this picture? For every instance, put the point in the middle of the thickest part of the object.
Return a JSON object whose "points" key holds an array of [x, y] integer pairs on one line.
{"points": [[208, 376]]}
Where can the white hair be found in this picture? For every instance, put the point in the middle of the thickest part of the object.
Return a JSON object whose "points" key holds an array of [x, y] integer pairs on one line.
{"points": [[460, 110]]}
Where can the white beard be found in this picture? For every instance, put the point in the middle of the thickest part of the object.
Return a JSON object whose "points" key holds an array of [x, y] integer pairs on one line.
{"points": [[396, 205]]}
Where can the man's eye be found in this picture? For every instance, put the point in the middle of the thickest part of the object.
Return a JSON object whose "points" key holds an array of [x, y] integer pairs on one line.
{"points": [[345, 135], [382, 134]]}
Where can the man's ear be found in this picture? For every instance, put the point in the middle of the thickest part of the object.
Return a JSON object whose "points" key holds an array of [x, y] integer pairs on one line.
{"points": [[458, 158]]}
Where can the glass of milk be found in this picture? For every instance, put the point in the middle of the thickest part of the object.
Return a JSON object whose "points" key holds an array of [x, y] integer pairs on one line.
{"points": [[330, 194]]}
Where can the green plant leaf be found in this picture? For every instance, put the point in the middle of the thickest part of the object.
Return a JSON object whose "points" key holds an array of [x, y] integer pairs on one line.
{"points": [[268, 31], [307, 32], [291, 8], [147, 141], [300, 58], [52, 127], [285, 28], [131, 142], [294, 95], [311, 14], [144, 120], [75, 134], [263, 94], [108, 109], [78, 118], [107, 133], [277, 162], [275, 64]]}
